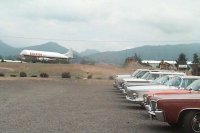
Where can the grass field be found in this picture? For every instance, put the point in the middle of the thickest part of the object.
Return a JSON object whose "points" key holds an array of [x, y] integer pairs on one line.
{"points": [[55, 70]]}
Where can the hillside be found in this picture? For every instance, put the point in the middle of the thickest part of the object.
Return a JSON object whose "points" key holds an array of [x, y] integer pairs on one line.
{"points": [[88, 52], [6, 50], [166, 52], [49, 46]]}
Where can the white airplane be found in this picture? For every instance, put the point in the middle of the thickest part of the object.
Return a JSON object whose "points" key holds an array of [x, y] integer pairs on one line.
{"points": [[34, 56]]}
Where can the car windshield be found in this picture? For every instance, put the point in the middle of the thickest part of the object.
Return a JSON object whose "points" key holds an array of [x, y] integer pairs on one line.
{"points": [[176, 81], [160, 80], [135, 73], [145, 75], [141, 74], [195, 85], [187, 82]]}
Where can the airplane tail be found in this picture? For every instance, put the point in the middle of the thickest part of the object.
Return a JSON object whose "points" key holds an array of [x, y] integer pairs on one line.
{"points": [[69, 53]]}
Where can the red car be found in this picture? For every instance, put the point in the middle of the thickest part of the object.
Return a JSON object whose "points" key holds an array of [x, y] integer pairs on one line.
{"points": [[194, 87], [178, 110], [150, 94]]}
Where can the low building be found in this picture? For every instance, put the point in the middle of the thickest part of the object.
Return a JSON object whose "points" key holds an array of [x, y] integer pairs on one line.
{"points": [[195, 69], [165, 64], [162, 64]]}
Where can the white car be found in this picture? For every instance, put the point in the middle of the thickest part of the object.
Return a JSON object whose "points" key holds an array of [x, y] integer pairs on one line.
{"points": [[141, 77], [137, 74], [146, 79], [135, 93], [159, 81]]}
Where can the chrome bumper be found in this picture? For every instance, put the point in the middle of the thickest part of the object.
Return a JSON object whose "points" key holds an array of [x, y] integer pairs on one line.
{"points": [[137, 100], [123, 91], [160, 115], [117, 86], [114, 85], [150, 112], [148, 107]]}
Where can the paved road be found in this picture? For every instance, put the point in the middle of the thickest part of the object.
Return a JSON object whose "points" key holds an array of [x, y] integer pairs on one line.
{"points": [[70, 106]]}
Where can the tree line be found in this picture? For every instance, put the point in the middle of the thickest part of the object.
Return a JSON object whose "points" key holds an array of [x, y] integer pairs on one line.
{"points": [[182, 60]]}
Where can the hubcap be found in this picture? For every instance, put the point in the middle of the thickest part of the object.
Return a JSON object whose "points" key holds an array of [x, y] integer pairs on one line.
{"points": [[196, 123]]}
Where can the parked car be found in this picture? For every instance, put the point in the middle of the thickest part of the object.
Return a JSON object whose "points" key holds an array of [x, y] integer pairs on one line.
{"points": [[142, 72], [148, 78], [135, 93], [178, 110], [136, 74], [192, 87], [159, 81]]}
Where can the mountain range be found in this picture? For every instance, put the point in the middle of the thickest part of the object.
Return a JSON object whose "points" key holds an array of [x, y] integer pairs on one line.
{"points": [[147, 52], [8, 51], [89, 52]]}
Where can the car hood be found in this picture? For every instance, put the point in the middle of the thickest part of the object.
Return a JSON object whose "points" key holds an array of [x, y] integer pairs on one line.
{"points": [[168, 92], [133, 79], [123, 76], [151, 87], [192, 95], [138, 84]]}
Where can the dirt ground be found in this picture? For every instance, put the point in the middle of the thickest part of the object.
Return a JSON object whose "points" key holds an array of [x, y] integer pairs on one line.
{"points": [[70, 106]]}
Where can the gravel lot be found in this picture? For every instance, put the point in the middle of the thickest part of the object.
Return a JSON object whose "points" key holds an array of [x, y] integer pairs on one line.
{"points": [[70, 106]]}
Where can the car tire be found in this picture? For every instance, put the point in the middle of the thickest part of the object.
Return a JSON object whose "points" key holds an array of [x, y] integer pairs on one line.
{"points": [[191, 123]]}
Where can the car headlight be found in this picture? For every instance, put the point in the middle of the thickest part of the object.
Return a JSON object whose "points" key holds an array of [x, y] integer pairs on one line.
{"points": [[145, 98], [135, 95]]}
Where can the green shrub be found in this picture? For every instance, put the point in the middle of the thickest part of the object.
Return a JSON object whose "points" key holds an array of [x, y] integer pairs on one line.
{"points": [[44, 75], [111, 78], [13, 75], [66, 75], [89, 76], [2, 75], [22, 74]]}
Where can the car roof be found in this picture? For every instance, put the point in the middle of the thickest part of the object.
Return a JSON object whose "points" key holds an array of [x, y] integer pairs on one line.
{"points": [[190, 77], [163, 72]]}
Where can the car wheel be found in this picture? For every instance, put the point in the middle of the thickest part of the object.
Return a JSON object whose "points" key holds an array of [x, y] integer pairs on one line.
{"points": [[191, 123]]}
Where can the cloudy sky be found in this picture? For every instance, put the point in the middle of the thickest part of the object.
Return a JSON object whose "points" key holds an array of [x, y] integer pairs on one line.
{"points": [[99, 24]]}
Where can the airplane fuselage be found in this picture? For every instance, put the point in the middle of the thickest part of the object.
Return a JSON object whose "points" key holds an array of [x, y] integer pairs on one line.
{"points": [[33, 55]]}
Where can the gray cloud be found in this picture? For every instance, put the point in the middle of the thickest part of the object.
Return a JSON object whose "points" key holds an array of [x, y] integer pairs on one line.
{"points": [[112, 20]]}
